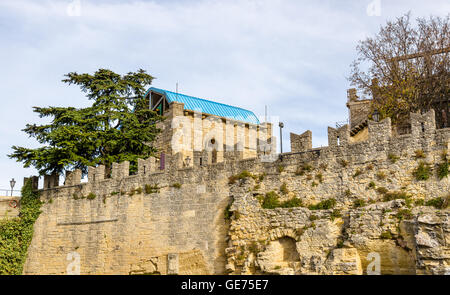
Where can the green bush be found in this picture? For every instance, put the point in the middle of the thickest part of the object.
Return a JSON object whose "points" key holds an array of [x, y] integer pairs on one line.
{"points": [[244, 174], [313, 217], [324, 205], [422, 172], [283, 189], [253, 248], [381, 175], [397, 196], [261, 176], [176, 185], [271, 200], [404, 214], [344, 163], [419, 154], [357, 173], [292, 203], [386, 235], [151, 189], [16, 233], [306, 167], [419, 202], [359, 203], [335, 214], [319, 177], [443, 170], [227, 213], [91, 196], [393, 158], [382, 190]]}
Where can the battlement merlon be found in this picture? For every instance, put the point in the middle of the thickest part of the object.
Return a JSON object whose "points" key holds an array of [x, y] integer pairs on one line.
{"points": [[301, 143], [380, 132], [146, 166], [51, 181], [338, 137], [73, 177], [423, 123]]}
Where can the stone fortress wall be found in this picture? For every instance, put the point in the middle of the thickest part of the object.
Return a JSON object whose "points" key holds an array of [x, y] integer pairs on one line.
{"points": [[9, 207], [171, 220]]}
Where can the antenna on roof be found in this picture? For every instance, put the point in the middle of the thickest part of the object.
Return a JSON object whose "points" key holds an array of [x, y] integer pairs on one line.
{"points": [[265, 113], [177, 90]]}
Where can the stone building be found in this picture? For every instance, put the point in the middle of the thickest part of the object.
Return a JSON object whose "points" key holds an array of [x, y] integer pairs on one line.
{"points": [[359, 111], [206, 131]]}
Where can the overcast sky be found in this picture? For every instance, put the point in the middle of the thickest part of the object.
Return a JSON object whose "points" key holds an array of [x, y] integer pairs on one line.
{"points": [[292, 56]]}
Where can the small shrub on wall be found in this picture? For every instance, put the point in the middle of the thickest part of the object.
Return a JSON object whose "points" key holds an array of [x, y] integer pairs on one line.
{"points": [[16, 234], [439, 203], [359, 203], [422, 172], [324, 205], [443, 167], [271, 201]]}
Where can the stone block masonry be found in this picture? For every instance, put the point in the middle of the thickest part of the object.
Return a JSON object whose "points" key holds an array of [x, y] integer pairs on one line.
{"points": [[172, 220], [9, 207]]}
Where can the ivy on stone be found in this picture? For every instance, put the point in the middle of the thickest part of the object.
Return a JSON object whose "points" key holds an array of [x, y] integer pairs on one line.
{"points": [[16, 233]]}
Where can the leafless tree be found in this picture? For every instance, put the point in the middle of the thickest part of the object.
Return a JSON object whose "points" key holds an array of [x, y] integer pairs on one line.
{"points": [[406, 68]]}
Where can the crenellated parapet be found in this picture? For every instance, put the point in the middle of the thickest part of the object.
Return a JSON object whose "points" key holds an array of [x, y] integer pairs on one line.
{"points": [[380, 139]]}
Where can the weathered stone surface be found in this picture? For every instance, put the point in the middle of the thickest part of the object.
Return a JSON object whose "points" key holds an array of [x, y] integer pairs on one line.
{"points": [[136, 221], [344, 261]]}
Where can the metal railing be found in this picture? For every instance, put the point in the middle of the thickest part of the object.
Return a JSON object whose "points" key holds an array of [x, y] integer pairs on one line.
{"points": [[341, 123], [7, 193]]}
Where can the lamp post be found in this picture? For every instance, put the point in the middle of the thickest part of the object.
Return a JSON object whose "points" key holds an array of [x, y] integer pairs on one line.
{"points": [[281, 136], [12, 183], [376, 116]]}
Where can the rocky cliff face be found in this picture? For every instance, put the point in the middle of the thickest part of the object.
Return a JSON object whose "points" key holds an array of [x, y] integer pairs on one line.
{"points": [[394, 237]]}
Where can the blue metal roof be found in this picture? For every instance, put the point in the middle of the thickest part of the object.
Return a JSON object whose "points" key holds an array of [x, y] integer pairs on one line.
{"points": [[208, 107]]}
